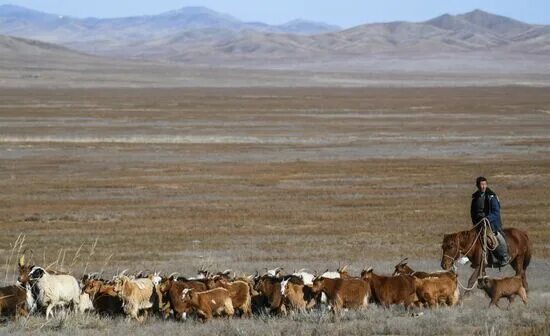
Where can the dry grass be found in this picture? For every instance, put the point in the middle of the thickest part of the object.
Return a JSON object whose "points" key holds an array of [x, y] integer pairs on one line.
{"points": [[471, 318], [361, 176]]}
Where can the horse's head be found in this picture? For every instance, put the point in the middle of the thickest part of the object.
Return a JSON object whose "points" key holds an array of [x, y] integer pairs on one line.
{"points": [[451, 250]]}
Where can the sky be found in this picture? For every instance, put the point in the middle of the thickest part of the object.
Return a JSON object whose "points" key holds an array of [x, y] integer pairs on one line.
{"points": [[345, 13]]}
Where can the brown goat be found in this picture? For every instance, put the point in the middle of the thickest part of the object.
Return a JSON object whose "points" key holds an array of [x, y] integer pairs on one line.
{"points": [[391, 290], [403, 268], [343, 271], [137, 295], [104, 298], [504, 287], [432, 291], [13, 301], [269, 288], [226, 275], [250, 281], [343, 293], [238, 290], [207, 304], [258, 301], [296, 295], [25, 270], [170, 292]]}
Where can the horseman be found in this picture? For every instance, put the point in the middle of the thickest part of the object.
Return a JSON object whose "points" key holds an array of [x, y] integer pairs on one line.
{"points": [[485, 204]]}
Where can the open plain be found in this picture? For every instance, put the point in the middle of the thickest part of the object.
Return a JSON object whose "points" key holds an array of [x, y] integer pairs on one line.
{"points": [[175, 179]]}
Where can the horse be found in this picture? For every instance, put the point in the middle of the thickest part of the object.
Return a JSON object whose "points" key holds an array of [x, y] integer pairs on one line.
{"points": [[469, 244]]}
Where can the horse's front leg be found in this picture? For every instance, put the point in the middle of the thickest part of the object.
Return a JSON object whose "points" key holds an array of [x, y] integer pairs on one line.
{"points": [[473, 279]]}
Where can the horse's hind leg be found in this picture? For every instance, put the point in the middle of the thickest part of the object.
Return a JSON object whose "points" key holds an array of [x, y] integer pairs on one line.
{"points": [[517, 264]]}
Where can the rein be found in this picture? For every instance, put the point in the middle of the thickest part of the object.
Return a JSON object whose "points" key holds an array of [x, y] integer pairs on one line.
{"points": [[458, 253], [484, 247]]}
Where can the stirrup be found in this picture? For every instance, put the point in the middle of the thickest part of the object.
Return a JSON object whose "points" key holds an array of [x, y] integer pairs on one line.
{"points": [[503, 262]]}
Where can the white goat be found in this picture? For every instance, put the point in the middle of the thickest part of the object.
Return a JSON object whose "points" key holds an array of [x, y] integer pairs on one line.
{"points": [[85, 303], [330, 275], [306, 277], [54, 289], [274, 272], [155, 278]]}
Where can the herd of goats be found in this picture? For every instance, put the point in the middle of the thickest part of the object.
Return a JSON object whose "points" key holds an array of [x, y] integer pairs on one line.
{"points": [[39, 290]]}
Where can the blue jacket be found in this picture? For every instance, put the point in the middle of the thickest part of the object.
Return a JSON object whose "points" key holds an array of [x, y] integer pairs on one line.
{"points": [[491, 209]]}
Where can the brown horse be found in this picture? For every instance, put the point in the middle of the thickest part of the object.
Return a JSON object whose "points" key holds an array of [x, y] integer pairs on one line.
{"points": [[468, 244]]}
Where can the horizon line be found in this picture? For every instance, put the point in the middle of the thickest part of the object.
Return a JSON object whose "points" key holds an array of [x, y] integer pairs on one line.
{"points": [[343, 27]]}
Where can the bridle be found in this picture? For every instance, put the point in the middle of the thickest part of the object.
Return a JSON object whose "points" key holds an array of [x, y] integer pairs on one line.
{"points": [[486, 224], [458, 251]]}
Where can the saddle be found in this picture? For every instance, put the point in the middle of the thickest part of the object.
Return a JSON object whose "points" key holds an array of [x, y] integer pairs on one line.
{"points": [[497, 247]]}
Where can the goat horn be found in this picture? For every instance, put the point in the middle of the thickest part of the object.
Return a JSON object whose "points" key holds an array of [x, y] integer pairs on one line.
{"points": [[402, 261]]}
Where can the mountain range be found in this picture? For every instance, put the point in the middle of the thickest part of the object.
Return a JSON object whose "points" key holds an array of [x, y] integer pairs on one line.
{"points": [[200, 35], [24, 22]]}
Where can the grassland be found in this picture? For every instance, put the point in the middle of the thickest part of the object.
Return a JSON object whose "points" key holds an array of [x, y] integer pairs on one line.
{"points": [[174, 179]]}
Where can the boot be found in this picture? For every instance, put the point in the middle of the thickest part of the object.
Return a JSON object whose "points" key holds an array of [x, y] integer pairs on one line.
{"points": [[501, 252]]}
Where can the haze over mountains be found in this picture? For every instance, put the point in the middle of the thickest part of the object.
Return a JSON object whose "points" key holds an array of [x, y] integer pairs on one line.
{"points": [[197, 34], [465, 45], [24, 22]]}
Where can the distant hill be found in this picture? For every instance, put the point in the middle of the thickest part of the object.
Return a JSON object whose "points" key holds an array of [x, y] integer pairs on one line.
{"points": [[28, 63], [19, 48], [198, 35], [306, 27], [24, 22], [471, 32]]}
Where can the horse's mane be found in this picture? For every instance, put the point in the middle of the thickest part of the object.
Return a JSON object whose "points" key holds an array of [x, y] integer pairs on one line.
{"points": [[468, 233], [461, 233]]}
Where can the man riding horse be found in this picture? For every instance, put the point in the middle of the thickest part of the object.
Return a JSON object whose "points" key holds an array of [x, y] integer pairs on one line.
{"points": [[485, 205], [516, 249]]}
